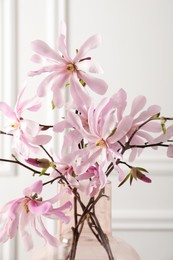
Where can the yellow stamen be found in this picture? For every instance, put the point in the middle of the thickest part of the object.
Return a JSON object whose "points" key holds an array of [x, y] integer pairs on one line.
{"points": [[70, 67], [15, 125], [101, 143], [26, 206]]}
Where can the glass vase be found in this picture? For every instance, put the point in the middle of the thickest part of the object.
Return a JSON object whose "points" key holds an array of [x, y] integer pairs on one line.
{"points": [[88, 246]]}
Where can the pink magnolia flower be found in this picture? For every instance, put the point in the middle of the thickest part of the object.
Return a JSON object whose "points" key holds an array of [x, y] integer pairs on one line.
{"points": [[146, 133], [26, 132], [105, 127], [165, 137], [63, 70], [96, 177], [27, 212]]}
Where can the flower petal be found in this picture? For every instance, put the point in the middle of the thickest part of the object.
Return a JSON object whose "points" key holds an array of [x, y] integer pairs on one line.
{"points": [[7, 111], [25, 218], [138, 103], [91, 43], [39, 208], [95, 84], [36, 187], [44, 50], [122, 129], [41, 139], [78, 93], [170, 151], [48, 237]]}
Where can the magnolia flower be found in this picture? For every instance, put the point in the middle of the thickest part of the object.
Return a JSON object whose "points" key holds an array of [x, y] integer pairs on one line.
{"points": [[142, 130], [27, 212], [26, 132], [96, 177], [62, 70], [39, 162], [105, 128]]}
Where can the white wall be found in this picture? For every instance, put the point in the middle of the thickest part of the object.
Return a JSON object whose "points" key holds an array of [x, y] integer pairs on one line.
{"points": [[136, 54]]}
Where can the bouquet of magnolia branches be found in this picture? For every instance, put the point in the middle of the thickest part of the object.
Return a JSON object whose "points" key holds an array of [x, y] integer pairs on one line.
{"points": [[95, 140]]}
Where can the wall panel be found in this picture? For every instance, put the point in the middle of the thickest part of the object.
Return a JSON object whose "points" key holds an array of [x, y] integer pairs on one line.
{"points": [[8, 75], [136, 54]]}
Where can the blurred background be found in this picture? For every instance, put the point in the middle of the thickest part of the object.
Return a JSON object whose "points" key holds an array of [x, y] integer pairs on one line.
{"points": [[136, 54]]}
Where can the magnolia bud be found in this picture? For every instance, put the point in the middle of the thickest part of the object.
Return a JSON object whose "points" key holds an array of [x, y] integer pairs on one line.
{"points": [[41, 163]]}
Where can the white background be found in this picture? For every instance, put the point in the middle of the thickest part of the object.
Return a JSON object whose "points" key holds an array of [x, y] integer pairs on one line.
{"points": [[136, 54]]}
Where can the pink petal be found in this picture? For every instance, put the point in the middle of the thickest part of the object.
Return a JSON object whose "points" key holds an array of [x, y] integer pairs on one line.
{"points": [[36, 187], [48, 237], [78, 93], [29, 127], [170, 151], [7, 111], [45, 85], [58, 214], [95, 115], [39, 208], [91, 43], [61, 126], [58, 196], [19, 104], [58, 98], [120, 100], [13, 221], [146, 136], [36, 58], [88, 161], [66, 205], [25, 230], [152, 110], [41, 139], [60, 82], [89, 66], [164, 137], [138, 103], [153, 127], [122, 129], [57, 88], [133, 154], [43, 49], [61, 44], [45, 69], [97, 85]]}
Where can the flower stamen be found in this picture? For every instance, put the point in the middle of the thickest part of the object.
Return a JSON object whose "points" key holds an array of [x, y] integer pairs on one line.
{"points": [[15, 125], [101, 143], [26, 206], [70, 67]]}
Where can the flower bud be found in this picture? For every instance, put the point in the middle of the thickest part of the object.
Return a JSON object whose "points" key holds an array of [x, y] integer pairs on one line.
{"points": [[41, 163]]}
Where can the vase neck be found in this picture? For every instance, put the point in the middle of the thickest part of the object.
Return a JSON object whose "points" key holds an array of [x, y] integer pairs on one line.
{"points": [[103, 212]]}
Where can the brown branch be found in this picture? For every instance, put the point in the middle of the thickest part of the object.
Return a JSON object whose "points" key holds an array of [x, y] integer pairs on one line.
{"points": [[16, 161]]}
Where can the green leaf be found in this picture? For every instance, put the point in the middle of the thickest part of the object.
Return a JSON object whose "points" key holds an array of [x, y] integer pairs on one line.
{"points": [[43, 171], [131, 179], [141, 169], [125, 179]]}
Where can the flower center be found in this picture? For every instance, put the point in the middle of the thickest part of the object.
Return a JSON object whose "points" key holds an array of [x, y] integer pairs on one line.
{"points": [[70, 67], [15, 125], [101, 143]]}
